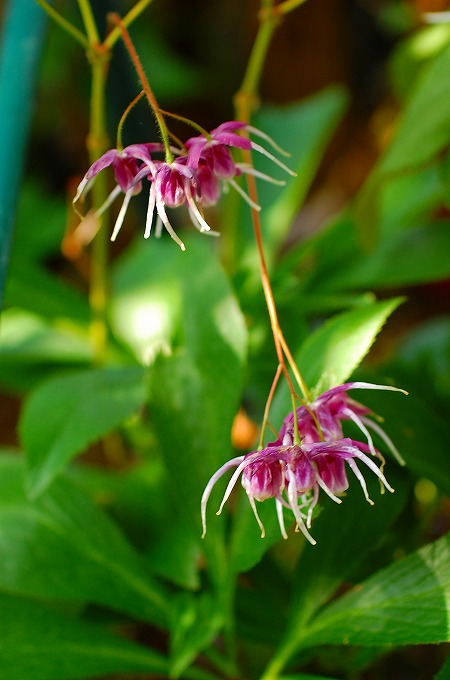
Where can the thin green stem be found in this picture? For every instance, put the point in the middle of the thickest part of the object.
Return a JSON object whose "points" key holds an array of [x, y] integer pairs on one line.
{"points": [[145, 86], [97, 144], [64, 24], [89, 22], [269, 404], [119, 144], [287, 6], [246, 99]]}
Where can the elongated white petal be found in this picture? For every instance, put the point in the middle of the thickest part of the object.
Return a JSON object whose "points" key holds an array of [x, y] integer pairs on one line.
{"points": [[121, 215], [356, 471], [209, 487], [292, 497], [279, 507], [373, 386], [150, 212], [266, 137], [83, 188], [242, 193], [111, 198], [168, 226], [274, 159], [358, 421], [257, 517], [204, 226], [250, 170], [388, 441]]}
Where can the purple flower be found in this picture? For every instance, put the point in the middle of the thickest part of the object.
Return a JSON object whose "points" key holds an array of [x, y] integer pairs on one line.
{"points": [[323, 418], [193, 178], [126, 164], [173, 184], [213, 151], [294, 473]]}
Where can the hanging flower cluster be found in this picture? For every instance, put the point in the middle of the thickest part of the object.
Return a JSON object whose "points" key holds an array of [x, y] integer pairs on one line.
{"points": [[293, 469], [194, 177]]}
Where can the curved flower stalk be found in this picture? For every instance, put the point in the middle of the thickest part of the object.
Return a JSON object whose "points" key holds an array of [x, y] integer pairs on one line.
{"points": [[194, 178], [294, 473]]}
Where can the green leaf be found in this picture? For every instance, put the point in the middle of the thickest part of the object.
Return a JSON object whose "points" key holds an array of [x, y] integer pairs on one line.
{"points": [[424, 127], [406, 603], [31, 287], [194, 396], [196, 621], [63, 547], [195, 392], [29, 339], [330, 355], [418, 255], [65, 414], [140, 500], [38, 643]]}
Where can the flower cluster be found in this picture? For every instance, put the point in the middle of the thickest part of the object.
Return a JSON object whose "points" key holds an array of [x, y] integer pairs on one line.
{"points": [[293, 469], [194, 177]]}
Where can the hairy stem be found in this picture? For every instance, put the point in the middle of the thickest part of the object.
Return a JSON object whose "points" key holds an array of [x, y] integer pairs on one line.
{"points": [[145, 85]]}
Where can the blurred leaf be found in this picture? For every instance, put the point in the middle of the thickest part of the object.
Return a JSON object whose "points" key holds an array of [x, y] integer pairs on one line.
{"points": [[195, 624], [412, 257], [406, 603], [322, 568], [303, 129], [65, 414], [140, 501], [330, 354], [22, 36], [195, 392], [38, 643], [27, 338], [41, 222], [174, 73], [423, 128], [31, 287], [63, 547], [198, 387], [411, 54]]}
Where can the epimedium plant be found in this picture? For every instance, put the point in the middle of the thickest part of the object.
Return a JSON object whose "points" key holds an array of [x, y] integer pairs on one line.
{"points": [[105, 570]]}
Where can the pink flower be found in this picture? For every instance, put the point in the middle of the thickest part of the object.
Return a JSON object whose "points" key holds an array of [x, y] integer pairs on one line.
{"points": [[213, 151], [126, 164], [294, 473]]}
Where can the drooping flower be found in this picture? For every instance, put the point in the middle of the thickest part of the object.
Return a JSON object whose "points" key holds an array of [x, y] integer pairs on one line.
{"points": [[294, 473], [193, 178], [323, 418], [126, 164], [213, 151]]}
